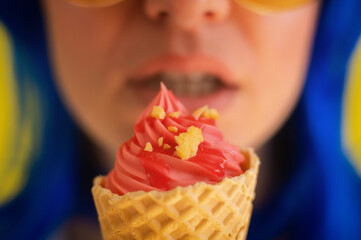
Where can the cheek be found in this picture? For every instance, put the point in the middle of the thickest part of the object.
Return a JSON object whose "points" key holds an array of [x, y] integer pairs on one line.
{"points": [[281, 47], [83, 43]]}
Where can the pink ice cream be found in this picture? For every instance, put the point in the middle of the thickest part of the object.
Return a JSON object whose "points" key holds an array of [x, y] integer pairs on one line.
{"points": [[161, 168]]}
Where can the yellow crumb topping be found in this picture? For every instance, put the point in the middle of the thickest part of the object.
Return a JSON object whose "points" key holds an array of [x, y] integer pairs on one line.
{"points": [[211, 113], [173, 129], [188, 142], [166, 146], [205, 112], [148, 147], [198, 113], [157, 112], [174, 114], [160, 141]]}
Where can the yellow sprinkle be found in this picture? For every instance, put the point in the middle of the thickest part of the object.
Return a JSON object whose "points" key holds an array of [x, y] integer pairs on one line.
{"points": [[174, 114], [148, 147], [166, 146], [205, 112], [211, 113], [160, 141], [188, 142], [173, 129], [198, 113], [157, 112]]}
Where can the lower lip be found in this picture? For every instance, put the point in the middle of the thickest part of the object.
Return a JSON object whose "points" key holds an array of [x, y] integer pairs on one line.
{"points": [[219, 99]]}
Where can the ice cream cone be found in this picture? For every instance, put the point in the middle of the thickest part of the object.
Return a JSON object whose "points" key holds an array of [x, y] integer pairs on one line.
{"points": [[199, 211]]}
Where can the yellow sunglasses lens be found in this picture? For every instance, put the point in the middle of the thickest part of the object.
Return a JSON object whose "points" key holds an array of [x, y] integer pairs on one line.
{"points": [[254, 5], [94, 3], [272, 5]]}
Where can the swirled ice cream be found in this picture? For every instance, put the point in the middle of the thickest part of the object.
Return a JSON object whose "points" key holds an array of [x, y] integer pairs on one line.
{"points": [[171, 148]]}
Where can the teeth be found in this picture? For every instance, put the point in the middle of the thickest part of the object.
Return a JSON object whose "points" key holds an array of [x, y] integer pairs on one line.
{"points": [[186, 84]]}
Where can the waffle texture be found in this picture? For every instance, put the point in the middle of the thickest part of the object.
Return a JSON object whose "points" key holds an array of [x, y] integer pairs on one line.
{"points": [[200, 211]]}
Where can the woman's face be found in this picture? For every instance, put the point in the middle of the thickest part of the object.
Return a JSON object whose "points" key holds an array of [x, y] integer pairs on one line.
{"points": [[108, 63]]}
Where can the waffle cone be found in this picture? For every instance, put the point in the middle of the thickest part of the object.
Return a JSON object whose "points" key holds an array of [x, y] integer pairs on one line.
{"points": [[199, 211]]}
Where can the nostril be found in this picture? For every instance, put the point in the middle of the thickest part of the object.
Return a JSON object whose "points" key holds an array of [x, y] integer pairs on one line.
{"points": [[162, 14], [209, 15]]}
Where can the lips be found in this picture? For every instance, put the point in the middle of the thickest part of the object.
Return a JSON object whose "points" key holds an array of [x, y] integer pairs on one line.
{"points": [[196, 80]]}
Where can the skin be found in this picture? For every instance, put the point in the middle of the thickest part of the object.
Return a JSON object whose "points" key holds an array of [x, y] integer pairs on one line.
{"points": [[94, 52]]}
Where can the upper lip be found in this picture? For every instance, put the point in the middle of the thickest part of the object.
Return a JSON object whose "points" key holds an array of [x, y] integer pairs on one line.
{"points": [[186, 64]]}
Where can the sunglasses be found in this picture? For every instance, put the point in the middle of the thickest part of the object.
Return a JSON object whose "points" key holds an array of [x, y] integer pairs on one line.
{"points": [[254, 5], [269, 6]]}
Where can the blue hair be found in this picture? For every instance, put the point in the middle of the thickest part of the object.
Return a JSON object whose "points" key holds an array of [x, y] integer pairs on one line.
{"points": [[49, 193], [322, 198]]}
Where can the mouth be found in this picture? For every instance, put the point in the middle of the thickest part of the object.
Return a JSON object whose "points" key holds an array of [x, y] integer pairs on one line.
{"points": [[195, 81], [193, 85]]}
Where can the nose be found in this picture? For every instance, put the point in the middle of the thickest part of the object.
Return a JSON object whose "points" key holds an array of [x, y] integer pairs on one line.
{"points": [[187, 14]]}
